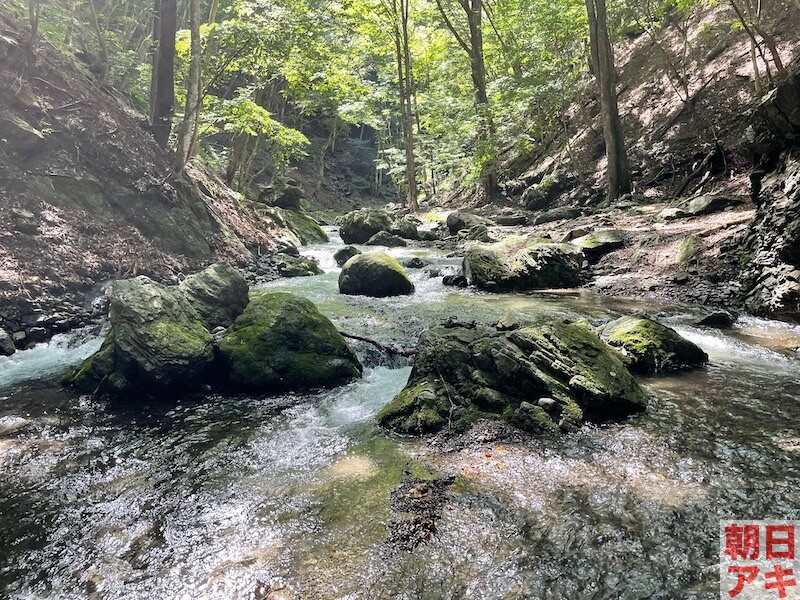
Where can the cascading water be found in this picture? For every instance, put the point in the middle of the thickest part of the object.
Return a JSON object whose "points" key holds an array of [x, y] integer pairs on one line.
{"points": [[228, 497]]}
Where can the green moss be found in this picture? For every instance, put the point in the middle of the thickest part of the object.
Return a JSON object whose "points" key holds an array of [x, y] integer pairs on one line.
{"points": [[374, 274], [652, 347], [281, 341], [415, 410], [93, 371], [304, 227], [688, 248], [534, 419]]}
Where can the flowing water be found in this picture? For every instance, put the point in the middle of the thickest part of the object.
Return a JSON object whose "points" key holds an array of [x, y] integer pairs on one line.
{"points": [[288, 497]]}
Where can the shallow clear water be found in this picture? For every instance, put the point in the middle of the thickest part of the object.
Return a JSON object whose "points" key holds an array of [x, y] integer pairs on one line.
{"points": [[225, 497]]}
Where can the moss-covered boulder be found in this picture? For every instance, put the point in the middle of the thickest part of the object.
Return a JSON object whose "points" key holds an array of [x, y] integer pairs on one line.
{"points": [[282, 342], [298, 266], [384, 238], [519, 264], [345, 254], [652, 347], [374, 274], [218, 293], [548, 376], [360, 225], [158, 341], [600, 242], [406, 226], [458, 220]]}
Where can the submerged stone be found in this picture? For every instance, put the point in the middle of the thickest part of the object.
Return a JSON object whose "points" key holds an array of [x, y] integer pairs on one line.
{"points": [[282, 342], [463, 373], [652, 347]]}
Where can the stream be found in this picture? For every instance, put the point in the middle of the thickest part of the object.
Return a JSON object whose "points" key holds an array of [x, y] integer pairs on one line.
{"points": [[288, 497]]}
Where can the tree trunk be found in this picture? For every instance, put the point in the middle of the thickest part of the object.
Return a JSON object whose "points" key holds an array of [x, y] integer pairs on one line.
{"points": [[617, 173], [164, 103], [192, 111], [154, 58], [33, 16], [408, 124]]}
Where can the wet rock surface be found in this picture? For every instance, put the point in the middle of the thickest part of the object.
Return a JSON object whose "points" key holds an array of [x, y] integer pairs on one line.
{"points": [[465, 372], [282, 342], [652, 347]]}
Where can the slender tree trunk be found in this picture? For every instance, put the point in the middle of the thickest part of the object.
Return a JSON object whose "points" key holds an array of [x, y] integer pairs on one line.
{"points": [[191, 113], [164, 103], [33, 16], [154, 58], [408, 124], [101, 41], [617, 172], [71, 25]]}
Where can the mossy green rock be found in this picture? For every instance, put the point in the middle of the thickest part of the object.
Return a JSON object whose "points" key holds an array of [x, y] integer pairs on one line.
{"points": [[282, 342], [688, 248], [458, 220], [157, 341], [298, 266], [359, 226], [406, 227], [598, 243], [304, 228], [519, 265], [374, 274], [652, 347], [466, 372], [384, 238]]}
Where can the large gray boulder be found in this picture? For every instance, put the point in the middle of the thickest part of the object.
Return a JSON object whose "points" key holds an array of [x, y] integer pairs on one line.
{"points": [[375, 274], [652, 347], [522, 264], [157, 341], [218, 293], [359, 226], [458, 220], [542, 377], [282, 342]]}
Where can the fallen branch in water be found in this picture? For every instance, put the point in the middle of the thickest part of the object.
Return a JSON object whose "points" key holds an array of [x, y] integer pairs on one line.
{"points": [[384, 347]]}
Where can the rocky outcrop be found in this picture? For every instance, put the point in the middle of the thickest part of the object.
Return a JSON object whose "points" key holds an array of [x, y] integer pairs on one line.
{"points": [[345, 254], [701, 205], [375, 274], [771, 260], [541, 195], [359, 226], [288, 198], [543, 377], [218, 294], [520, 264], [652, 347], [157, 341], [305, 229], [282, 342]]}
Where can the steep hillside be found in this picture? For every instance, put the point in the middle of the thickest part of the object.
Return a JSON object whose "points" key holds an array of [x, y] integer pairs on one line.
{"points": [[86, 195]]}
